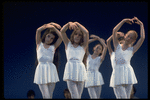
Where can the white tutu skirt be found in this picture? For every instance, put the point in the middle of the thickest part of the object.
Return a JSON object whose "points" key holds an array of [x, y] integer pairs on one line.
{"points": [[94, 78], [75, 71], [46, 73], [123, 74]]}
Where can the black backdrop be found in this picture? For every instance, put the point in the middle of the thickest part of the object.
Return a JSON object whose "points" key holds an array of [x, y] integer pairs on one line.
{"points": [[21, 19]]}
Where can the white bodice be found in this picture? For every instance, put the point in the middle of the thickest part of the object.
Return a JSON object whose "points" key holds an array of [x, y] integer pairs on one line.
{"points": [[112, 58], [93, 64], [74, 68], [123, 57], [73, 53], [45, 55], [94, 77], [123, 72]]}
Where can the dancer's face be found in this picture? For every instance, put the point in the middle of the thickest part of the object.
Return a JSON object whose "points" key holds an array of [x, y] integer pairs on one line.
{"points": [[77, 36], [97, 49], [49, 38], [130, 37]]}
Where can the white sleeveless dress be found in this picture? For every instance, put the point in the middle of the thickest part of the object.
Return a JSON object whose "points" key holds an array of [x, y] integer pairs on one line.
{"points": [[112, 58], [94, 77], [46, 71], [123, 72], [74, 69]]}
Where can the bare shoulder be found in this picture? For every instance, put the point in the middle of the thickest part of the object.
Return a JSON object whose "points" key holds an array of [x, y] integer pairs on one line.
{"points": [[66, 44], [37, 45]]}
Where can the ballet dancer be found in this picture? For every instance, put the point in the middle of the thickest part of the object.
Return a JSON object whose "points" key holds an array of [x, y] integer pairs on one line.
{"points": [[75, 47], [94, 80], [46, 73], [120, 37], [123, 76]]}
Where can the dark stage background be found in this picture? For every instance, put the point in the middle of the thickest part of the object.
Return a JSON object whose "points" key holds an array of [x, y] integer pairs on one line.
{"points": [[21, 19]]}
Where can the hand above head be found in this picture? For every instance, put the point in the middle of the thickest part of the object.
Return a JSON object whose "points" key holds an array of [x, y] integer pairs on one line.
{"points": [[137, 21], [49, 26], [102, 40], [129, 21], [72, 26], [94, 37], [55, 24]]}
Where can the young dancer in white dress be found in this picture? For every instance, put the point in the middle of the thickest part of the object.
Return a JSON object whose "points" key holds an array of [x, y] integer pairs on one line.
{"points": [[94, 80], [120, 37], [46, 73], [75, 47], [123, 76]]}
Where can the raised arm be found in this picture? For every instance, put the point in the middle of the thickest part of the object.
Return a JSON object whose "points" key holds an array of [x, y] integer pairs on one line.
{"points": [[59, 40], [91, 40], [38, 34], [116, 28], [63, 33], [109, 45], [102, 41], [142, 34], [85, 33]]}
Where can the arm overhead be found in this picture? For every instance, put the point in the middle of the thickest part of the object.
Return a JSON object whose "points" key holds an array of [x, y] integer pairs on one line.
{"points": [[116, 28], [102, 41], [38, 33], [109, 45], [64, 35], [54, 28], [142, 34], [85, 34]]}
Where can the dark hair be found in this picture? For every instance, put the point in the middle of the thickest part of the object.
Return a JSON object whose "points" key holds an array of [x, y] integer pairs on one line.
{"points": [[134, 89], [72, 37], [101, 45], [120, 38], [56, 55], [51, 32], [30, 93], [66, 90]]}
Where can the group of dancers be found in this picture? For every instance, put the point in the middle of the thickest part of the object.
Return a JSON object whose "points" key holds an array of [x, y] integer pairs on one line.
{"points": [[82, 68]]}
